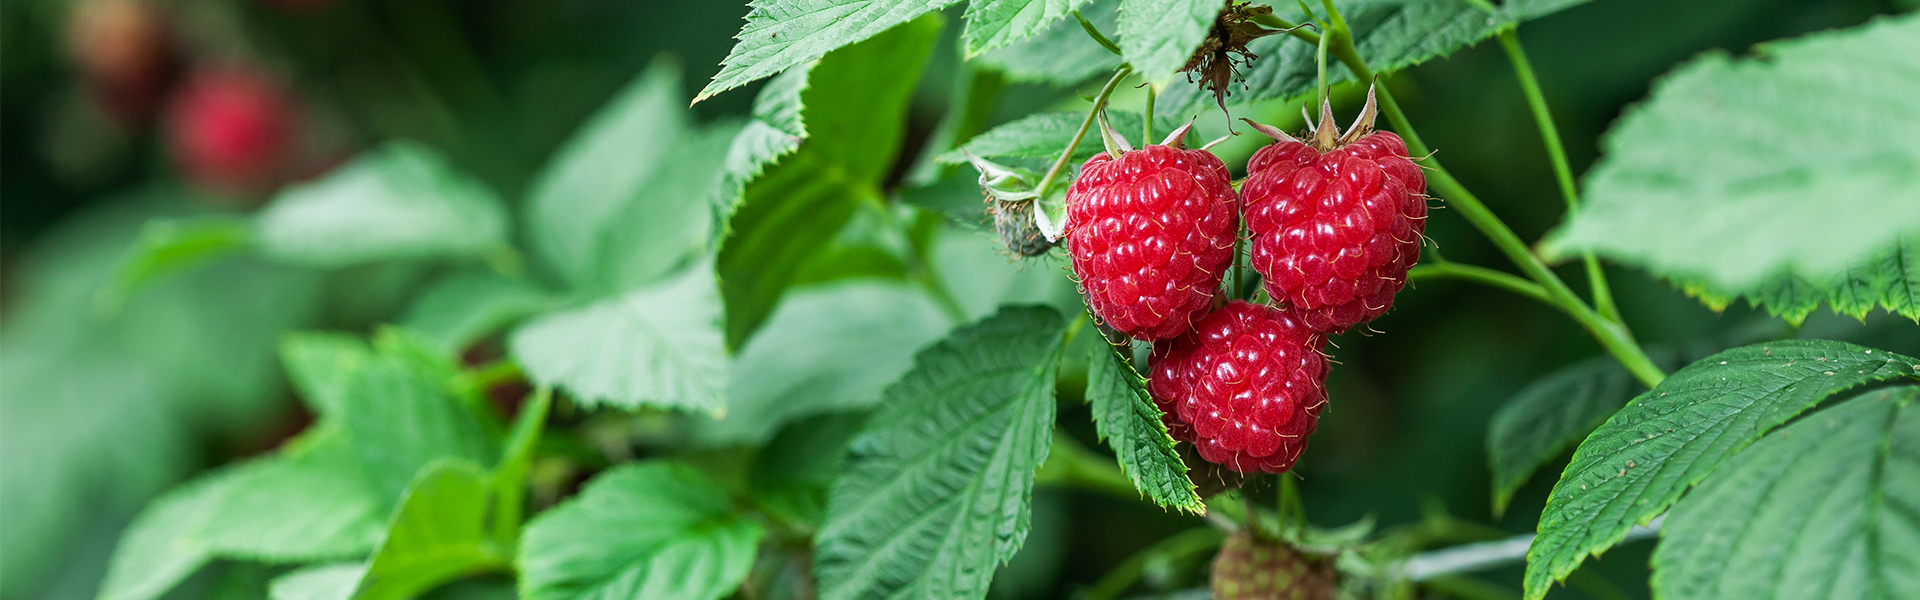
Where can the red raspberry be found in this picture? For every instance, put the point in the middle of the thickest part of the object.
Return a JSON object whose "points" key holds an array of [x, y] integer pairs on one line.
{"points": [[231, 129], [1245, 387], [1335, 227], [1151, 236]]}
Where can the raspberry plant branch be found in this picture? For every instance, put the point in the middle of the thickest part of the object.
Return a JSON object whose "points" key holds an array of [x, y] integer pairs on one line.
{"points": [[1099, 102], [1453, 270], [1557, 153]]}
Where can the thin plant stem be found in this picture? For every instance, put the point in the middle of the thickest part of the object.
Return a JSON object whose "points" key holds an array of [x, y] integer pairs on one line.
{"points": [[1099, 102], [1557, 153], [1147, 129], [510, 481], [1477, 274]]}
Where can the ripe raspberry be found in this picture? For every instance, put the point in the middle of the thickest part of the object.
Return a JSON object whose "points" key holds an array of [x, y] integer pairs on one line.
{"points": [[231, 130], [1245, 387], [1151, 235], [1249, 568], [1336, 224]]}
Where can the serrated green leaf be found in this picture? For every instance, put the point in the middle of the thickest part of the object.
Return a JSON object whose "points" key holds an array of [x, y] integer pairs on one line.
{"points": [[1827, 507], [1043, 135], [935, 492], [1062, 54], [1126, 417], [855, 103], [400, 415], [859, 335], [774, 131], [781, 34], [1388, 34], [660, 345], [437, 534], [1643, 458], [653, 530], [319, 582], [1891, 281], [168, 246], [466, 307], [401, 201], [1739, 171], [995, 23], [1158, 36], [1550, 415]]}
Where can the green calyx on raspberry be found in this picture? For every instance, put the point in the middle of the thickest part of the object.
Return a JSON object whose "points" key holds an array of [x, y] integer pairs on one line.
{"points": [[1253, 568], [1012, 199]]}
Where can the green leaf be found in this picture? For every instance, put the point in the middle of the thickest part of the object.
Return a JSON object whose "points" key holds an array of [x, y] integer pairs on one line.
{"points": [[1388, 34], [169, 246], [1126, 417], [792, 473], [859, 336], [781, 34], [1158, 36], [775, 130], [653, 530], [855, 105], [1890, 280], [1827, 507], [935, 493], [319, 582], [1042, 135], [1062, 54], [436, 535], [400, 415], [465, 308], [1550, 415], [1669, 438], [1739, 171], [319, 364], [401, 201], [660, 345], [995, 23]]}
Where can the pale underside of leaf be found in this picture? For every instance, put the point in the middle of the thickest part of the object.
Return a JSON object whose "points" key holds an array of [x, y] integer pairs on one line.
{"points": [[658, 346], [402, 201], [995, 23], [652, 530]]}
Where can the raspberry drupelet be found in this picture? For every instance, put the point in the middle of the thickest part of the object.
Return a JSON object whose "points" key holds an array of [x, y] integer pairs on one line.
{"points": [[1246, 387], [1151, 234], [1335, 224]]}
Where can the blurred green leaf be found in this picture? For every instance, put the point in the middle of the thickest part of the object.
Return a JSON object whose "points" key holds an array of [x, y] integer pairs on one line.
{"points": [[653, 530], [931, 516], [401, 201], [656, 346], [318, 582], [781, 34], [1827, 507], [1737, 172], [168, 246], [995, 23], [1890, 280], [1126, 417], [1158, 36], [400, 415], [320, 364], [1042, 135], [1062, 54], [854, 109], [1550, 415], [464, 308], [1669, 438], [859, 336], [436, 535], [958, 197], [792, 472]]}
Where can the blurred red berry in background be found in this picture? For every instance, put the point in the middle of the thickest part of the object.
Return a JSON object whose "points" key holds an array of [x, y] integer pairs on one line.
{"points": [[231, 130]]}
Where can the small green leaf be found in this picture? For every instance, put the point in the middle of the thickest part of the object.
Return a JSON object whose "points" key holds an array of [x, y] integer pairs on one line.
{"points": [[402, 201], [653, 530], [1042, 135], [1827, 507], [400, 415], [1669, 438], [656, 346], [466, 307], [1550, 415], [1737, 172], [1062, 54], [319, 364], [995, 23], [318, 582], [781, 34], [436, 535], [936, 490], [1158, 36], [1126, 417], [168, 246], [774, 131]]}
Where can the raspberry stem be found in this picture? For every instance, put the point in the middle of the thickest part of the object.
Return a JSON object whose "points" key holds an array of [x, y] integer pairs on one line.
{"points": [[1452, 270], [1066, 154]]}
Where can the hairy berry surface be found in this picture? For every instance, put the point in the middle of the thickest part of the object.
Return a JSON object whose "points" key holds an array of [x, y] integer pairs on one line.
{"points": [[1250, 568], [1334, 233], [1245, 387], [1151, 236]]}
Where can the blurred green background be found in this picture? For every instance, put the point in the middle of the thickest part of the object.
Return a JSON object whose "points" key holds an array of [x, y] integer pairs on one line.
{"points": [[100, 410]]}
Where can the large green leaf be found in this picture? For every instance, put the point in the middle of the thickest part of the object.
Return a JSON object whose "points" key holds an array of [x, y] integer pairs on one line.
{"points": [[859, 336], [464, 308], [1799, 162], [1063, 54], [401, 201], [401, 416], [935, 491], [1158, 36], [654, 530], [1890, 280], [1550, 415], [436, 535], [1126, 417], [854, 112], [1044, 135], [995, 23], [659, 345], [320, 363], [1827, 507], [1636, 464], [781, 34], [1389, 34]]}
